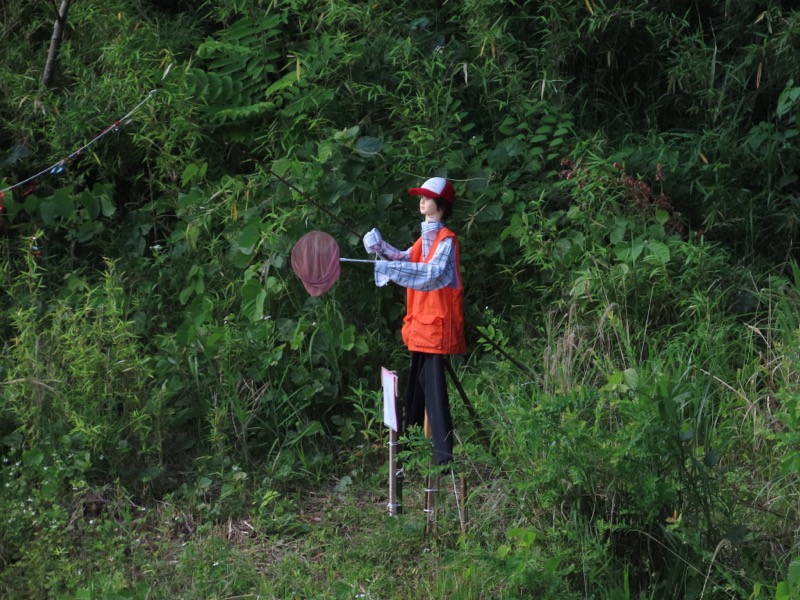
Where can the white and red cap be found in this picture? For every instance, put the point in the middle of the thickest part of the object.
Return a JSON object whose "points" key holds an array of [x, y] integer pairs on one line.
{"points": [[436, 187]]}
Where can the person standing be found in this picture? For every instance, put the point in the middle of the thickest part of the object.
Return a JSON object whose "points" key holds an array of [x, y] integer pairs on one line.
{"points": [[433, 327]]}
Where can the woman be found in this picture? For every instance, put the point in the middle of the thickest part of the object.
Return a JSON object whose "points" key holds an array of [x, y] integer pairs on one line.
{"points": [[434, 323]]}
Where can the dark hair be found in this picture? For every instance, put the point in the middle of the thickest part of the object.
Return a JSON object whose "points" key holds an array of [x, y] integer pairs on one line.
{"points": [[444, 206]]}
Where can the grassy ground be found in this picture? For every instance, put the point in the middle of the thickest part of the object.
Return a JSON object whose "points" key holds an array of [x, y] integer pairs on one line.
{"points": [[336, 541], [340, 543], [333, 538]]}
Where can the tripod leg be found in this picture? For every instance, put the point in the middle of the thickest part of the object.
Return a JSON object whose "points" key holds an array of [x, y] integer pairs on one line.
{"points": [[476, 422]]}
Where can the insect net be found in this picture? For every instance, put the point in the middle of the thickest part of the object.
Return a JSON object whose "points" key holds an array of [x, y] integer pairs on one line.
{"points": [[315, 260]]}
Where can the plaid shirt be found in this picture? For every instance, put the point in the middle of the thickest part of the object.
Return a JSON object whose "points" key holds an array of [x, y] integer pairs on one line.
{"points": [[435, 274]]}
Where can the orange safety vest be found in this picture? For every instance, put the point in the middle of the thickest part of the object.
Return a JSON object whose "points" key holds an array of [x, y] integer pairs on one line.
{"points": [[435, 320]]}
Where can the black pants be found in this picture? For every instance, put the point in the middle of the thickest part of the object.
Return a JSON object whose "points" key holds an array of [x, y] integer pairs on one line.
{"points": [[427, 389]]}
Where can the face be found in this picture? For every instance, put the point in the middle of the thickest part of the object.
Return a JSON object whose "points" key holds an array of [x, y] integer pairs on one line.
{"points": [[427, 207]]}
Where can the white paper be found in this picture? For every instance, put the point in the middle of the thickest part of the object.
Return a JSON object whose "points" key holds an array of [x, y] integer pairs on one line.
{"points": [[389, 384]]}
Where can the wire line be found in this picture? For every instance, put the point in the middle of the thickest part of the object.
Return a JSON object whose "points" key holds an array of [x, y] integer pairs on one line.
{"points": [[59, 166]]}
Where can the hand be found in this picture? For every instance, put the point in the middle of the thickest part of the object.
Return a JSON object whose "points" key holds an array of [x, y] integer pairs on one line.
{"points": [[373, 241]]}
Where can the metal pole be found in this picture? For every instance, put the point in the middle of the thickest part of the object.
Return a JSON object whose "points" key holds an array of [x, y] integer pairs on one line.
{"points": [[357, 260], [395, 477], [431, 493]]}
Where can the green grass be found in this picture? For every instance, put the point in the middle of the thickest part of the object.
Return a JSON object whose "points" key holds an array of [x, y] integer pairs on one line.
{"points": [[320, 543]]}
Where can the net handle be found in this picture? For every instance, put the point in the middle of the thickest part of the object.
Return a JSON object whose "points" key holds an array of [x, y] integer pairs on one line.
{"points": [[357, 260]]}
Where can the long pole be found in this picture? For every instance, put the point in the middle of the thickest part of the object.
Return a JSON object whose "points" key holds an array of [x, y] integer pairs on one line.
{"points": [[476, 422], [357, 260]]}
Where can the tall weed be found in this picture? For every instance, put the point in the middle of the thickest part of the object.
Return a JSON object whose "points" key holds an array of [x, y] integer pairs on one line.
{"points": [[76, 369]]}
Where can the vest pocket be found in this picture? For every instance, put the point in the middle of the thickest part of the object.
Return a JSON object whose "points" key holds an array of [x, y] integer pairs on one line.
{"points": [[424, 332]]}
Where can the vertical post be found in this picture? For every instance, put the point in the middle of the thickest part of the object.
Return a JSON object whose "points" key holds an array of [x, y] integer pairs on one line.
{"points": [[431, 486], [395, 477], [431, 493], [392, 419]]}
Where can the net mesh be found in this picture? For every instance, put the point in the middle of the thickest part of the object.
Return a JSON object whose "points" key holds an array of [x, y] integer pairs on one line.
{"points": [[315, 260]]}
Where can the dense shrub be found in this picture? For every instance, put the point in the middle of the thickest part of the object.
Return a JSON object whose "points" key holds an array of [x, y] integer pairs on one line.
{"points": [[626, 178]]}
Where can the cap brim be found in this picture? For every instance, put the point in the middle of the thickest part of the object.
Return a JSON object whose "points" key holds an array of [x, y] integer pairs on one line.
{"points": [[423, 192]]}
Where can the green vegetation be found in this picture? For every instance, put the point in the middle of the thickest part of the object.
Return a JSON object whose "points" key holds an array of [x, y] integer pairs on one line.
{"points": [[178, 419]]}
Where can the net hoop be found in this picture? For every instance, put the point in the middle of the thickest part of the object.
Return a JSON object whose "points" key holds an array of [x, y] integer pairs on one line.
{"points": [[315, 261]]}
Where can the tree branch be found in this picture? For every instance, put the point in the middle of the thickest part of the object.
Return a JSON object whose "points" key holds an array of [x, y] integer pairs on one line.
{"points": [[55, 42]]}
